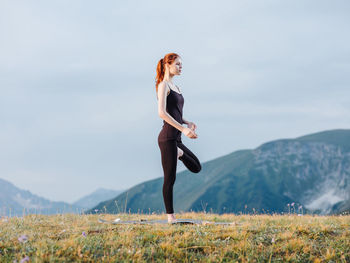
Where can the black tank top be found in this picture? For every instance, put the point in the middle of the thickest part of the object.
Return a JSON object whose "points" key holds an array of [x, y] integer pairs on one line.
{"points": [[174, 105]]}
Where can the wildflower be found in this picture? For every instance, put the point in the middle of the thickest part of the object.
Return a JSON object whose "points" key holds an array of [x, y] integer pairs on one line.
{"points": [[292, 204], [25, 259], [117, 219], [84, 234], [273, 240], [23, 238], [96, 210], [287, 204], [300, 215]]}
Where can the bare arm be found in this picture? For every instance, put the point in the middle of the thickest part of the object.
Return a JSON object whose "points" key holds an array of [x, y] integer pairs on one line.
{"points": [[162, 94]]}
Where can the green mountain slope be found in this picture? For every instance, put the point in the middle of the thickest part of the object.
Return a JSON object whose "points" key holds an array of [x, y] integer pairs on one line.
{"points": [[312, 171]]}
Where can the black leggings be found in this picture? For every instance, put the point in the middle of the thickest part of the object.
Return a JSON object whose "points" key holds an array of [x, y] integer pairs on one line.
{"points": [[168, 151]]}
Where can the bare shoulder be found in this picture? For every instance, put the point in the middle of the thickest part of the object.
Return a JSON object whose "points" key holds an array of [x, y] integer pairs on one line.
{"points": [[162, 90], [162, 87]]}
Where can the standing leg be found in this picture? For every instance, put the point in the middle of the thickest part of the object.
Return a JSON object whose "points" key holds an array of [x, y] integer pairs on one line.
{"points": [[168, 151], [189, 159]]}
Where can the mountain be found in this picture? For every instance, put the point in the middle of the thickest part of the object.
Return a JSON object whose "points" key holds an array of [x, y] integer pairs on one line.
{"points": [[16, 202], [96, 197], [310, 173], [342, 207]]}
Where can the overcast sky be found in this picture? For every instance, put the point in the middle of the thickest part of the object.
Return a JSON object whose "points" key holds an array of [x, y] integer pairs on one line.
{"points": [[78, 108]]}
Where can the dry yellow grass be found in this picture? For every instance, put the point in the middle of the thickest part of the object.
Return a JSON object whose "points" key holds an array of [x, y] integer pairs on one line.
{"points": [[254, 238]]}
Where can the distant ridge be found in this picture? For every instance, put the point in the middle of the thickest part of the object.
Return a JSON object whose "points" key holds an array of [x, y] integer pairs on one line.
{"points": [[93, 199], [16, 202]]}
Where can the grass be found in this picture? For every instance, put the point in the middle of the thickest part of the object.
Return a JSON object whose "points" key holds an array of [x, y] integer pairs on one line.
{"points": [[253, 238]]}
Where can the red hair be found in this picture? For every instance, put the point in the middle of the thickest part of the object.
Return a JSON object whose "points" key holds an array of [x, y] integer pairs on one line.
{"points": [[168, 58]]}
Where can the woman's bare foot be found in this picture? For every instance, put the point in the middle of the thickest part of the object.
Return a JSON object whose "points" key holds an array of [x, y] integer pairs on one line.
{"points": [[179, 152], [171, 218]]}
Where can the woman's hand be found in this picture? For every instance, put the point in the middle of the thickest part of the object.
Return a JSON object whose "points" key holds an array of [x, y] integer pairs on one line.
{"points": [[191, 125], [189, 133]]}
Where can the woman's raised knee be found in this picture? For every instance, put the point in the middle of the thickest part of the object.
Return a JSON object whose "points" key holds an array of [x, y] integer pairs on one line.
{"points": [[197, 169]]}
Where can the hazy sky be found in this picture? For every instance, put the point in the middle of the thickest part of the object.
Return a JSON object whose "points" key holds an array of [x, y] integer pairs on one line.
{"points": [[78, 108]]}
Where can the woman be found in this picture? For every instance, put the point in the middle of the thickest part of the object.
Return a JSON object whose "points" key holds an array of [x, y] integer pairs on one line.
{"points": [[170, 104]]}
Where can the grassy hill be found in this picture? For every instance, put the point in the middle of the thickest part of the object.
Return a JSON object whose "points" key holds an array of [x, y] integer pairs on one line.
{"points": [[252, 238]]}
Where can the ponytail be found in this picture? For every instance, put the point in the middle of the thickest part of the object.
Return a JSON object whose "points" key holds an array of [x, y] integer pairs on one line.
{"points": [[168, 58]]}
